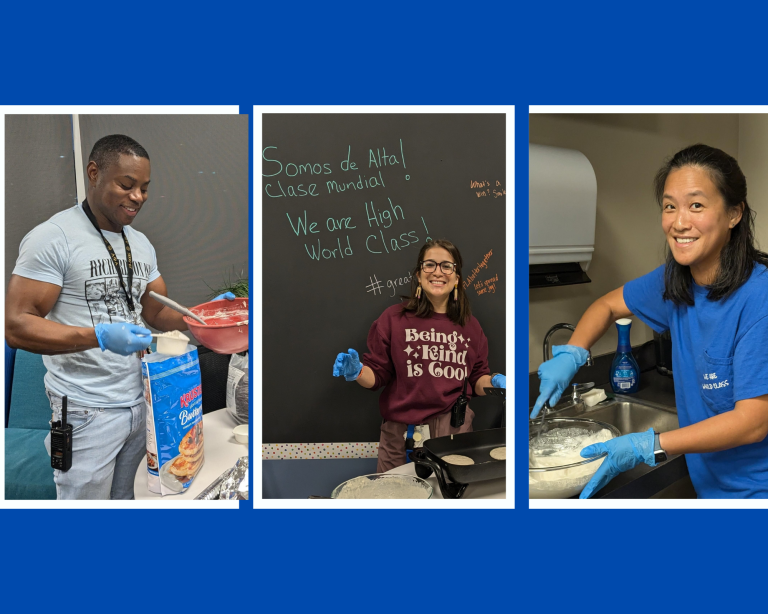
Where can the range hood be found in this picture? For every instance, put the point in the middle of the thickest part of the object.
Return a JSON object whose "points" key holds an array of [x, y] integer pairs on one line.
{"points": [[562, 207]]}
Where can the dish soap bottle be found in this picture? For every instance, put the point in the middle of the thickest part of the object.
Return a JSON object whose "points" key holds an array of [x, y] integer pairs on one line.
{"points": [[625, 374]]}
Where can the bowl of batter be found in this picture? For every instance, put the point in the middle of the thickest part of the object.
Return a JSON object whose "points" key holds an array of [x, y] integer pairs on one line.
{"points": [[556, 469], [226, 325], [383, 486]]}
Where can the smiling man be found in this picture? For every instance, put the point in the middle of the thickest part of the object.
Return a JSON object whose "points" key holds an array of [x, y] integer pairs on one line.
{"points": [[79, 294]]}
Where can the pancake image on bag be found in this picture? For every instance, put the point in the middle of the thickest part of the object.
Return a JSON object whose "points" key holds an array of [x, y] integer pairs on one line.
{"points": [[192, 443], [184, 469], [151, 461], [190, 457]]}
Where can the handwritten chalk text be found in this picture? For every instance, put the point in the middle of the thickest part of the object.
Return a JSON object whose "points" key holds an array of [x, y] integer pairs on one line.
{"points": [[380, 216], [389, 244], [328, 254], [393, 284], [488, 286], [477, 269], [291, 169], [486, 189], [363, 182]]}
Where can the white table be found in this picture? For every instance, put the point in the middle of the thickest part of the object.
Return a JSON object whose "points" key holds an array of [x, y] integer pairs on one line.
{"points": [[221, 453], [487, 489]]}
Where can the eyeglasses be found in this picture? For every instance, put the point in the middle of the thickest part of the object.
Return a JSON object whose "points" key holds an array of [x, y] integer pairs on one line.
{"points": [[429, 266]]}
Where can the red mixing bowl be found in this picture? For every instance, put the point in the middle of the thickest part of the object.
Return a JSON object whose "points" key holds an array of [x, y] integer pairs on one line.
{"points": [[224, 333]]}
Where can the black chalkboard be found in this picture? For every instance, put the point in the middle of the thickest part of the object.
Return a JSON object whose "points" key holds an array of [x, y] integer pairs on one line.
{"points": [[348, 200]]}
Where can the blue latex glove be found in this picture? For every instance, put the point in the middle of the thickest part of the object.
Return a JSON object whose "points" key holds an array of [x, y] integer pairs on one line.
{"points": [[348, 365], [624, 453], [227, 295], [557, 373], [499, 381], [123, 338]]}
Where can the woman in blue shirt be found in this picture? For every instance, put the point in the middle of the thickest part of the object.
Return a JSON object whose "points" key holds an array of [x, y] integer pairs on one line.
{"points": [[712, 295]]}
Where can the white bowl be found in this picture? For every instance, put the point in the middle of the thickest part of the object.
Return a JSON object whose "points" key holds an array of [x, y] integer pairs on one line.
{"points": [[241, 433]]}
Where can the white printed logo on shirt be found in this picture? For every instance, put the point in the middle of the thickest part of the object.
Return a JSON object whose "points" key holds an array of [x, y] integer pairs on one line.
{"points": [[441, 355], [711, 377]]}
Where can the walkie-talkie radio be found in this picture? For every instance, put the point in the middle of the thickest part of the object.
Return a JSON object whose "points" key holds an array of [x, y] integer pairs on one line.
{"points": [[459, 408], [61, 441]]}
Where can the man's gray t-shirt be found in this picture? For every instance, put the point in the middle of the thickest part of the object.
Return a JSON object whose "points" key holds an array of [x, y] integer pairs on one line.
{"points": [[68, 252]]}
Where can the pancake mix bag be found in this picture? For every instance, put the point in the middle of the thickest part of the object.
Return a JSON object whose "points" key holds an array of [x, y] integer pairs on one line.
{"points": [[174, 420]]}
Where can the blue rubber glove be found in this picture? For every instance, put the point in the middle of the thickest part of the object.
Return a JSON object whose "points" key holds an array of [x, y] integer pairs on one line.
{"points": [[499, 381], [227, 295], [624, 453], [123, 338], [557, 373], [348, 365]]}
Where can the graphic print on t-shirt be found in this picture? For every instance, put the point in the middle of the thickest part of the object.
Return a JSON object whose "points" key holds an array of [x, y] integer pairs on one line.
{"points": [[104, 294], [439, 354], [711, 384]]}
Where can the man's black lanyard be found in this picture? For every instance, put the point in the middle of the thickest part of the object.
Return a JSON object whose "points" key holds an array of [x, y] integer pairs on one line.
{"points": [[128, 257]]}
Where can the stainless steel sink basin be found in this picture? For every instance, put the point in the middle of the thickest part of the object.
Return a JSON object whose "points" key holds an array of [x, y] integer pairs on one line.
{"points": [[632, 415], [626, 414]]}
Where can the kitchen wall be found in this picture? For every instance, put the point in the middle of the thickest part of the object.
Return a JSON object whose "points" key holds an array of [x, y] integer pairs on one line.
{"points": [[753, 160], [626, 151], [197, 212]]}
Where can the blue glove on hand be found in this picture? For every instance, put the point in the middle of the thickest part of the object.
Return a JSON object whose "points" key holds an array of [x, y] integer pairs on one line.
{"points": [[348, 365], [557, 373], [123, 338], [624, 453], [227, 295], [499, 381]]}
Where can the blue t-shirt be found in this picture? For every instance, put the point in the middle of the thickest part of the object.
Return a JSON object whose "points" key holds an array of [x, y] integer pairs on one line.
{"points": [[718, 358]]}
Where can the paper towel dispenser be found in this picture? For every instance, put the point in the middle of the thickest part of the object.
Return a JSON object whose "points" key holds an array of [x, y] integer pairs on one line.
{"points": [[562, 207]]}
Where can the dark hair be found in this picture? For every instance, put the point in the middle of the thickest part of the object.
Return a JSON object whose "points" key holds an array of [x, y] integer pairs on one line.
{"points": [[108, 149], [458, 310], [739, 255]]}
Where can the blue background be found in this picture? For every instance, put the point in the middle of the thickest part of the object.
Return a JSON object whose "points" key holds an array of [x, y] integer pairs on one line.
{"points": [[386, 53]]}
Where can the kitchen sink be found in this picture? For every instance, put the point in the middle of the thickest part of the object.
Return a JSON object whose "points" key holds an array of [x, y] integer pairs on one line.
{"points": [[626, 414], [632, 415]]}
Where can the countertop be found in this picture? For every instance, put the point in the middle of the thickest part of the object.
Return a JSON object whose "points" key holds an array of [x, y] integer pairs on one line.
{"points": [[221, 453], [655, 388]]}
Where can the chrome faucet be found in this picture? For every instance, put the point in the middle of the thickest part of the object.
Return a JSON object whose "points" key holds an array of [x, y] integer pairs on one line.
{"points": [[576, 388], [552, 331]]}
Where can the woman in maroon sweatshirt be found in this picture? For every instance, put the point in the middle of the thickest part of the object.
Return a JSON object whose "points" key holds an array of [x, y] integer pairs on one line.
{"points": [[421, 351]]}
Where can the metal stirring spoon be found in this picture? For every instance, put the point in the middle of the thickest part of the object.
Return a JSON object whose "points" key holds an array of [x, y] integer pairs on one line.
{"points": [[542, 428]]}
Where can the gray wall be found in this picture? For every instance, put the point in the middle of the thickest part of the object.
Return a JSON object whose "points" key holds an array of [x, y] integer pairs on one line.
{"points": [[39, 175], [197, 212]]}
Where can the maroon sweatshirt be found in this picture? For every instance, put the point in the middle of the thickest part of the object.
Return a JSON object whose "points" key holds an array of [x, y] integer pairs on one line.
{"points": [[422, 363]]}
